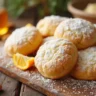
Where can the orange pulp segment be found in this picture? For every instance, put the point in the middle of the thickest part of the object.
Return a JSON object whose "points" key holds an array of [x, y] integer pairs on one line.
{"points": [[23, 62]]}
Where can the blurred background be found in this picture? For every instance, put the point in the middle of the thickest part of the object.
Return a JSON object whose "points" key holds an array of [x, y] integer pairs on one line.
{"points": [[17, 8], [17, 13], [34, 9]]}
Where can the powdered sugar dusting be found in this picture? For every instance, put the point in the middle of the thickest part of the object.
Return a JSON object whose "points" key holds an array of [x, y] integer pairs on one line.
{"points": [[79, 25], [48, 39], [47, 25], [66, 86], [54, 18], [78, 31], [21, 36], [87, 58], [86, 65]]}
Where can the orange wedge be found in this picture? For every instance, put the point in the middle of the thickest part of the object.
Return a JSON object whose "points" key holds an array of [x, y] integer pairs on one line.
{"points": [[3, 30], [28, 25], [23, 62]]}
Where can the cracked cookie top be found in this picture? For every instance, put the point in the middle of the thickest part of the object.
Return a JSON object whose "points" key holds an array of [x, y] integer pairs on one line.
{"points": [[56, 58], [23, 40], [81, 32]]}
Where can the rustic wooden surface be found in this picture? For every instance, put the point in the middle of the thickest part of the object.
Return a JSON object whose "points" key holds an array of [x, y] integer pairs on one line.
{"points": [[27, 91], [10, 87], [63, 87]]}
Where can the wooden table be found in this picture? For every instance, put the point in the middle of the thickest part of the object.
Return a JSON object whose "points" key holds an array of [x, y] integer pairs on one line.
{"points": [[12, 87]]}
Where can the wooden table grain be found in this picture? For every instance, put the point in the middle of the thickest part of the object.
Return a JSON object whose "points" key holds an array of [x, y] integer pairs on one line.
{"points": [[27, 91], [12, 87]]}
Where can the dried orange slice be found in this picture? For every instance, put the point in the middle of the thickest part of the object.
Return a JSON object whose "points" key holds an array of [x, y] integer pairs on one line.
{"points": [[23, 62]]}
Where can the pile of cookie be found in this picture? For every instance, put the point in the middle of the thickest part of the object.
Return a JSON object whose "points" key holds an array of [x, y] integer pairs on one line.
{"points": [[63, 46]]}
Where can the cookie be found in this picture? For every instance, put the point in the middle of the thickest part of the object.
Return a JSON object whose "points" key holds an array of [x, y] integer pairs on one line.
{"points": [[48, 24], [85, 68], [25, 40], [79, 31], [56, 58]]}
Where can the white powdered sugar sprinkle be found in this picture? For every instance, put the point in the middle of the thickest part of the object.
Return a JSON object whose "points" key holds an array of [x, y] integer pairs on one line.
{"points": [[78, 25]]}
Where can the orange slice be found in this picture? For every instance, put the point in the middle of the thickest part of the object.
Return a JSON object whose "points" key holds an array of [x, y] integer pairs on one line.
{"points": [[28, 25], [23, 62], [3, 30]]}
